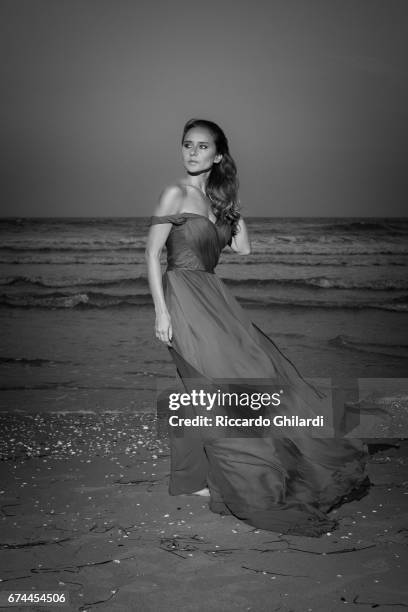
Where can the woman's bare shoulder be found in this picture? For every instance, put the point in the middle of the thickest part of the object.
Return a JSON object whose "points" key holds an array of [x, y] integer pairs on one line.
{"points": [[170, 200]]}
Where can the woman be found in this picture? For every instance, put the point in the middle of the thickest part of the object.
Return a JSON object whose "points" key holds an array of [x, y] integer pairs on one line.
{"points": [[287, 482]]}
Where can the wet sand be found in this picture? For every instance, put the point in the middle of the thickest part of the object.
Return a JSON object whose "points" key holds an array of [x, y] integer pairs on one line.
{"points": [[84, 502], [100, 360]]}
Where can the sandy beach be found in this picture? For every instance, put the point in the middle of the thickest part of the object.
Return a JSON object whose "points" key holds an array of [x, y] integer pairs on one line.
{"points": [[109, 360], [85, 511], [84, 503], [85, 464]]}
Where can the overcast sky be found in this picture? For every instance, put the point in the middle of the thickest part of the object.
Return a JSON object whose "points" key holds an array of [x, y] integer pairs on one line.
{"points": [[313, 96]]}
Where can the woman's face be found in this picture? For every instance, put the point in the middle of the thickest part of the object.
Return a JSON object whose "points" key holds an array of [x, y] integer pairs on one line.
{"points": [[199, 151]]}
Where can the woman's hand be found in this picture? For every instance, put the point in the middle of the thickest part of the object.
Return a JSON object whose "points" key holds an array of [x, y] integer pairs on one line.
{"points": [[164, 331]]}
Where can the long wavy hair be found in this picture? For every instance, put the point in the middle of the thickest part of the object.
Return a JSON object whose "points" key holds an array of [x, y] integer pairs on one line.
{"points": [[222, 183]]}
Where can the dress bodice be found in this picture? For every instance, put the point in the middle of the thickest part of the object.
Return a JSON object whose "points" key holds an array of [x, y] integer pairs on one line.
{"points": [[194, 242]]}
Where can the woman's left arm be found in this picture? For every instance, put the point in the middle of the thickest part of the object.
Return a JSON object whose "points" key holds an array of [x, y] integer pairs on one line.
{"points": [[240, 242]]}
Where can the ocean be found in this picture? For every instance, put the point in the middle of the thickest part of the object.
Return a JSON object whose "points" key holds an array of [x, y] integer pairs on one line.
{"points": [[99, 263], [76, 313]]}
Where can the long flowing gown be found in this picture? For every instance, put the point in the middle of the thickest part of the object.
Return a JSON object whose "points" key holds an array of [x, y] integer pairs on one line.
{"points": [[284, 482]]}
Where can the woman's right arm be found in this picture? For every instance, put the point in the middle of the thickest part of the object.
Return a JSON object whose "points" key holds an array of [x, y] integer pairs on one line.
{"points": [[169, 204]]}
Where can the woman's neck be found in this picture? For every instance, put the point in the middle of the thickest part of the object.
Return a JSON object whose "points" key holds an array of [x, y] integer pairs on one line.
{"points": [[199, 181], [200, 188]]}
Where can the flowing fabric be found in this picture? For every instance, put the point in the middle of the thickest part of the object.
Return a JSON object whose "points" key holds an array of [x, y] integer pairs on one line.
{"points": [[284, 482]]}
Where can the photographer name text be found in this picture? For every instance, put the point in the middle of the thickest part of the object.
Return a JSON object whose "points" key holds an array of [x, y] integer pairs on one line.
{"points": [[225, 421]]}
